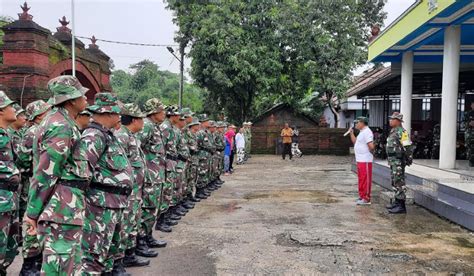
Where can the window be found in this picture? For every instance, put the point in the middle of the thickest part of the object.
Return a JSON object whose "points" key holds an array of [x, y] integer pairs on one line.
{"points": [[395, 105], [425, 109]]}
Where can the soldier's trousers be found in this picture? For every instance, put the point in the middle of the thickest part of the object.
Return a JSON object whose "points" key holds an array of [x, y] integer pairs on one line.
{"points": [[191, 177], [203, 172], [397, 173], [9, 231], [180, 187], [148, 218], [103, 234], [61, 244], [131, 219]]}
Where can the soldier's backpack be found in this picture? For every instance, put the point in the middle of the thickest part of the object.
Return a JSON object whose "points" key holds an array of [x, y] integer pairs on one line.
{"points": [[407, 147]]}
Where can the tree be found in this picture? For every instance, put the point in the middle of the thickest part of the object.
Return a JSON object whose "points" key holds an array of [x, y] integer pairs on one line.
{"points": [[4, 20], [250, 55], [146, 81]]}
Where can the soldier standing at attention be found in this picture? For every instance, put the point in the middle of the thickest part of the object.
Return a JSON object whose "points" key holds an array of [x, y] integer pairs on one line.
{"points": [[399, 155], [215, 157], [151, 142], [191, 130], [55, 210], [184, 156], [132, 122], [83, 119], [205, 151], [31, 251], [9, 188], [171, 138], [220, 147], [16, 129], [110, 175], [469, 134]]}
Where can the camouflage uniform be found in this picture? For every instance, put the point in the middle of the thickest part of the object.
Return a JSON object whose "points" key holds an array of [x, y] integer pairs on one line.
{"points": [[9, 184], [110, 175], [248, 139], [191, 173], [151, 142], [469, 136], [398, 144], [171, 137], [205, 152], [220, 147], [31, 247], [184, 159], [56, 195], [214, 160]]}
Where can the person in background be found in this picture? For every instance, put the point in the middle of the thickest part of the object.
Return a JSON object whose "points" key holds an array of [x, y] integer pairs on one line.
{"points": [[229, 142], [240, 145], [83, 119], [287, 134], [363, 147], [295, 149], [232, 151]]}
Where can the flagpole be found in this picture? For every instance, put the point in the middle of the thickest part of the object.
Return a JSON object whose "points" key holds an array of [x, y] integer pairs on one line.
{"points": [[73, 44]]}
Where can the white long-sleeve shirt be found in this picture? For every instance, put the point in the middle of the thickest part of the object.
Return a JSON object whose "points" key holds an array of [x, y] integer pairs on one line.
{"points": [[239, 140]]}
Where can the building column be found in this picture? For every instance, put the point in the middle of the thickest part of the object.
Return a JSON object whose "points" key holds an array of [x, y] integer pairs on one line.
{"points": [[406, 89], [449, 97]]}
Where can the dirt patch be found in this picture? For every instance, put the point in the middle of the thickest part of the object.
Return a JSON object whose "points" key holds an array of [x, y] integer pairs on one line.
{"points": [[311, 196]]}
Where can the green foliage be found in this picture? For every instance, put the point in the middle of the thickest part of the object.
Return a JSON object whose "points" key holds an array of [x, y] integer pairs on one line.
{"points": [[146, 81], [4, 20], [251, 55]]}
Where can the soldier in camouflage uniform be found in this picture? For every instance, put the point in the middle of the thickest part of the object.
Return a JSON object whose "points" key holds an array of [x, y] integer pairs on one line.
{"points": [[205, 152], [220, 144], [17, 128], [469, 134], [110, 175], [192, 172], [9, 188], [132, 123], [55, 210], [399, 155], [248, 139], [171, 189], [152, 145], [184, 162], [31, 251], [83, 119]]}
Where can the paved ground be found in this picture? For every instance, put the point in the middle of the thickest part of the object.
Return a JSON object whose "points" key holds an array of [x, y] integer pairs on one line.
{"points": [[282, 217]]}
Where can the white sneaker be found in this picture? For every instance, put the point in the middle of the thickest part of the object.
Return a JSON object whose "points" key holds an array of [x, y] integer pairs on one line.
{"points": [[363, 202]]}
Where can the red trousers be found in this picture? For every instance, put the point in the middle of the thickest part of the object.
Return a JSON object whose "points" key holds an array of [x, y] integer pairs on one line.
{"points": [[364, 171]]}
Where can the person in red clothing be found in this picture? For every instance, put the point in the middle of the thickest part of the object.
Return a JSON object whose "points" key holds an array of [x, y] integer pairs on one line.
{"points": [[363, 148]]}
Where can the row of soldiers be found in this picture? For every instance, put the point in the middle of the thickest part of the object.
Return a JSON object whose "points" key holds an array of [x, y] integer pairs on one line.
{"points": [[90, 182]]}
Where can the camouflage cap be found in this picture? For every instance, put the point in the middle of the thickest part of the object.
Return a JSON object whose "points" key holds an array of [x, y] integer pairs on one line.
{"points": [[132, 110], [173, 110], [203, 118], [195, 122], [153, 105], [220, 124], [36, 108], [65, 88], [396, 116], [187, 112], [18, 109], [212, 123], [105, 102], [4, 100]]}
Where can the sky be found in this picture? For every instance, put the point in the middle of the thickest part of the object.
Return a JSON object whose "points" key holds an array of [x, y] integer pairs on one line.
{"points": [[141, 21]]}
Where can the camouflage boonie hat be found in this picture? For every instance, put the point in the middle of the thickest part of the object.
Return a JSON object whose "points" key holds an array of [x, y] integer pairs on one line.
{"points": [[396, 116], [220, 124], [153, 105], [212, 123], [194, 122], [105, 102], [132, 110], [173, 110], [65, 88], [18, 109], [187, 112], [4, 100], [203, 118], [36, 108]]}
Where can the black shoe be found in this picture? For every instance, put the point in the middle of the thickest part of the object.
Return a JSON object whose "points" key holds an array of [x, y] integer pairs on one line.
{"points": [[182, 209], [188, 204], [195, 199], [119, 270], [391, 205], [400, 208], [30, 267], [163, 228], [154, 243], [201, 195], [171, 222], [143, 250], [179, 212], [174, 217], [132, 260]]}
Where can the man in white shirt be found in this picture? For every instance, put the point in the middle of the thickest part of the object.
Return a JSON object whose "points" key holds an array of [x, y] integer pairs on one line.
{"points": [[240, 145], [363, 148]]}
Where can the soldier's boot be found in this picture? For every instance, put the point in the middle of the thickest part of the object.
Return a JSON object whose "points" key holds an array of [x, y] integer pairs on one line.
{"points": [[131, 259], [30, 267], [200, 194], [391, 205], [400, 208], [118, 269], [188, 204], [181, 209], [154, 243], [194, 199], [143, 250], [163, 223]]}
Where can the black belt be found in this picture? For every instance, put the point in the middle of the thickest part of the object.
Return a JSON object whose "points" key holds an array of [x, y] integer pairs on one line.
{"points": [[9, 186], [78, 184], [111, 189], [171, 157], [182, 158]]}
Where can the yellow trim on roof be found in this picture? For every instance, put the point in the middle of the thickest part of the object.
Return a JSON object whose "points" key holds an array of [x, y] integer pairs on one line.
{"points": [[417, 15]]}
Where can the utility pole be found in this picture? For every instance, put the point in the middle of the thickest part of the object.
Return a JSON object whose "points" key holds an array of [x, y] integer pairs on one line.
{"points": [[181, 76], [73, 43]]}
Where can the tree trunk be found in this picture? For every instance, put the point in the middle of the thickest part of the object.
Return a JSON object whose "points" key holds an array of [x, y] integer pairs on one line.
{"points": [[335, 113]]}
